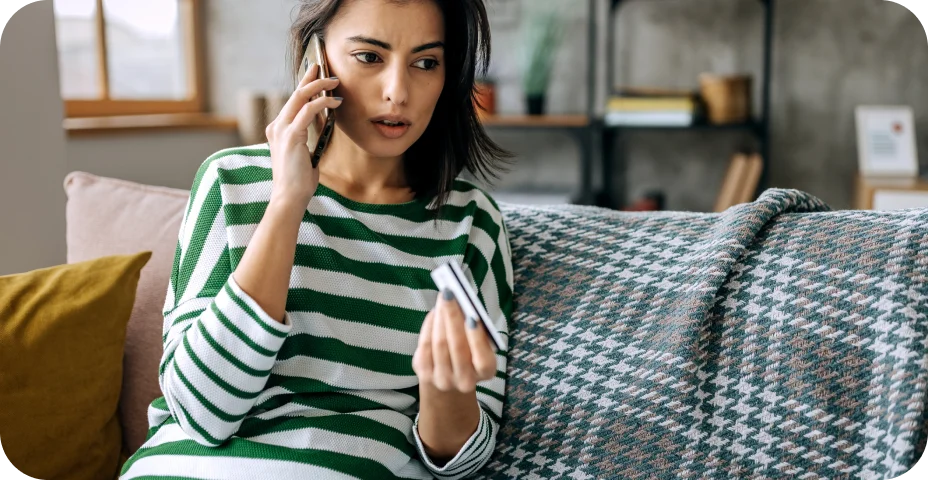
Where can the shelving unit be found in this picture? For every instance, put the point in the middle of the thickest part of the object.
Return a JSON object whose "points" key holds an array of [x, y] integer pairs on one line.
{"points": [[597, 141], [613, 195]]}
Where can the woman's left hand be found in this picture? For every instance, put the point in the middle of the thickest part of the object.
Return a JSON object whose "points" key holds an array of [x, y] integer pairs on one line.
{"points": [[450, 356]]}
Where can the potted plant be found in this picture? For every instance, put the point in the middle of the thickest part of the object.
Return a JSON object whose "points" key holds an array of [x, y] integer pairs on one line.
{"points": [[543, 34]]}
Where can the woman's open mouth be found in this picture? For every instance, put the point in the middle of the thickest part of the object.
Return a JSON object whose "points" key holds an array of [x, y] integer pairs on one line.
{"points": [[391, 126]]}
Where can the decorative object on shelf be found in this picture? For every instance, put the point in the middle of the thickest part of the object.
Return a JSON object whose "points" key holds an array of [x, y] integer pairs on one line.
{"points": [[727, 98], [652, 200], [740, 182], [275, 102], [886, 141], [535, 104], [251, 116], [543, 34], [890, 193], [485, 96]]}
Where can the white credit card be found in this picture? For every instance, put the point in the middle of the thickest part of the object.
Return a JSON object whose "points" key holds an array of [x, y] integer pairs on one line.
{"points": [[449, 275]]}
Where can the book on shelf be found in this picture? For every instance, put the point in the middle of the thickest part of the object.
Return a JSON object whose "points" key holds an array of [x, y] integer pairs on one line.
{"points": [[650, 104], [668, 118], [636, 106], [740, 181], [751, 178]]}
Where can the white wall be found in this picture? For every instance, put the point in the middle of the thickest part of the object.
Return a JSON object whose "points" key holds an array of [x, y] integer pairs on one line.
{"points": [[169, 158], [32, 144], [246, 44]]}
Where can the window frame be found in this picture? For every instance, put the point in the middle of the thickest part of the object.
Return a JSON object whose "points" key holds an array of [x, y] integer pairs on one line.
{"points": [[190, 18]]}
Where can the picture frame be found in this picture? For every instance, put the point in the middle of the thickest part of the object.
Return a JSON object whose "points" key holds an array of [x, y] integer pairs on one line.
{"points": [[886, 141]]}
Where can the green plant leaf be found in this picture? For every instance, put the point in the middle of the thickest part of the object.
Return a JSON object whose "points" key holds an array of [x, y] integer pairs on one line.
{"points": [[542, 37]]}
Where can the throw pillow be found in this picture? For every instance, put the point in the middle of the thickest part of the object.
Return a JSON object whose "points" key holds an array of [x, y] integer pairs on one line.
{"points": [[62, 333]]}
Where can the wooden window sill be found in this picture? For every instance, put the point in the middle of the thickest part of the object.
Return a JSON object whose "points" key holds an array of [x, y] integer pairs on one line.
{"points": [[147, 123]]}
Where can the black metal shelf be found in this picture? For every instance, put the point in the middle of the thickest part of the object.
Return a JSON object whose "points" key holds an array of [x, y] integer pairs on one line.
{"points": [[612, 195], [596, 139]]}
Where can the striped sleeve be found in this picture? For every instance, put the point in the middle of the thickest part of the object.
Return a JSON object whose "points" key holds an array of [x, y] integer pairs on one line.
{"points": [[488, 263], [219, 345]]}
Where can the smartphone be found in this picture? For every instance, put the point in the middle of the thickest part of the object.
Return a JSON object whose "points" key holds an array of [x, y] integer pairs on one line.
{"points": [[320, 130], [450, 275]]}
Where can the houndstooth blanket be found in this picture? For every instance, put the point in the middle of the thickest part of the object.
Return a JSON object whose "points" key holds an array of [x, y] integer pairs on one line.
{"points": [[778, 339]]}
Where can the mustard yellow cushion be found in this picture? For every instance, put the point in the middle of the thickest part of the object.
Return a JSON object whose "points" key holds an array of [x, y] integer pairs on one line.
{"points": [[62, 331]]}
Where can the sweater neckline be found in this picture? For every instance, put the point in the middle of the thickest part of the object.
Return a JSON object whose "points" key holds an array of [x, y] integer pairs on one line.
{"points": [[414, 204]]}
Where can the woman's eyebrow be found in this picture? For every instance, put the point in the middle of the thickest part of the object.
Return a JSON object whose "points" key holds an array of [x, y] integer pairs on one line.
{"points": [[387, 46], [428, 46]]}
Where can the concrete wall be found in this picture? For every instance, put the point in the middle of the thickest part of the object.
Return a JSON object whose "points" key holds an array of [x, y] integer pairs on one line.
{"points": [[829, 56], [32, 167], [868, 52]]}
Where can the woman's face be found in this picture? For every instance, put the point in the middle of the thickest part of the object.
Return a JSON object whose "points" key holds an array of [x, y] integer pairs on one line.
{"points": [[389, 59]]}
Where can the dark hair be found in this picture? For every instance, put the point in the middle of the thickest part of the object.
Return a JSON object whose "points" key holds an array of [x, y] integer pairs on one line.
{"points": [[455, 138]]}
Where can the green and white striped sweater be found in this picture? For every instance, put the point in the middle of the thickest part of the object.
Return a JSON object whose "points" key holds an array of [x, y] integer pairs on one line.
{"points": [[331, 392]]}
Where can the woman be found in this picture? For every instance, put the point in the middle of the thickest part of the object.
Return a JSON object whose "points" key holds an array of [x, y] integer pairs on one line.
{"points": [[303, 335]]}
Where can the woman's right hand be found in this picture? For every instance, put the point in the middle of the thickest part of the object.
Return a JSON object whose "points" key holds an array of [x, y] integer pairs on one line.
{"points": [[294, 178]]}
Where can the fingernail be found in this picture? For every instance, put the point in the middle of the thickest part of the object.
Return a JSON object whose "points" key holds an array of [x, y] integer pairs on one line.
{"points": [[471, 323], [339, 98], [333, 78], [447, 294]]}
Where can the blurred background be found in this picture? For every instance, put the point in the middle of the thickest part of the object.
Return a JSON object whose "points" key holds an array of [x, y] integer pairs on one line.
{"points": [[691, 105]]}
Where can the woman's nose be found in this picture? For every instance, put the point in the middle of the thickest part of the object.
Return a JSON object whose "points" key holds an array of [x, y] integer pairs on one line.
{"points": [[396, 84]]}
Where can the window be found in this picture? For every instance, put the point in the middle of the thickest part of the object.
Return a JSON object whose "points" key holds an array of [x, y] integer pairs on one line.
{"points": [[129, 57]]}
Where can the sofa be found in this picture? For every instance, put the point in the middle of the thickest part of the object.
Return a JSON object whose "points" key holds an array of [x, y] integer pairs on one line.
{"points": [[777, 339]]}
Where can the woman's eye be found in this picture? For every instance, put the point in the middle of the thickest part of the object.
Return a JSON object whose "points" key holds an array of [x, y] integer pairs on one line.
{"points": [[367, 57], [427, 63]]}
